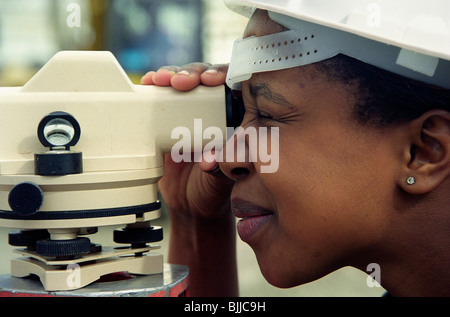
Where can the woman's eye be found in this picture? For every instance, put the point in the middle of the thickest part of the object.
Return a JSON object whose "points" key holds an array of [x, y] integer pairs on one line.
{"points": [[264, 116]]}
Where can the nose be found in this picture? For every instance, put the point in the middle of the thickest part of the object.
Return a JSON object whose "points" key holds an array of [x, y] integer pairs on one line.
{"points": [[237, 162]]}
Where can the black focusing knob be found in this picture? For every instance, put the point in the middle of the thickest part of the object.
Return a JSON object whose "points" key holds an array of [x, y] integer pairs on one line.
{"points": [[25, 198]]}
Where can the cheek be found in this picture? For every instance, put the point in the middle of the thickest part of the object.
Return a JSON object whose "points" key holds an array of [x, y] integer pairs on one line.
{"points": [[328, 200], [300, 240], [343, 184]]}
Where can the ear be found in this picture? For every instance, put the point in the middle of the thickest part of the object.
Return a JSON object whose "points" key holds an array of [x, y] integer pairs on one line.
{"points": [[429, 152]]}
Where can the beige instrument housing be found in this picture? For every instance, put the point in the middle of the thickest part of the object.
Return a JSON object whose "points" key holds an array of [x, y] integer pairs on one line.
{"points": [[125, 130]]}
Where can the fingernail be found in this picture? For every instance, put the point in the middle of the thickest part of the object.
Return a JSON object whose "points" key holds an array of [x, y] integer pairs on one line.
{"points": [[147, 78], [211, 71], [183, 72], [165, 70]]}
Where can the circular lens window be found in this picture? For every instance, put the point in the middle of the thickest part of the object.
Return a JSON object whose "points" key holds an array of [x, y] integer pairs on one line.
{"points": [[59, 132]]}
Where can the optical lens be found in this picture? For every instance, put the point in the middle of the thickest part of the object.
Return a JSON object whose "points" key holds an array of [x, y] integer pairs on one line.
{"points": [[59, 132]]}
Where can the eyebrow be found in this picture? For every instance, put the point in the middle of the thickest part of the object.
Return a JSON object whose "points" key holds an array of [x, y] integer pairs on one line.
{"points": [[263, 90]]}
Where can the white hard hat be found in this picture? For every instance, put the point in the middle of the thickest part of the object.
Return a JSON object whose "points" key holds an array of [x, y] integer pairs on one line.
{"points": [[407, 37]]}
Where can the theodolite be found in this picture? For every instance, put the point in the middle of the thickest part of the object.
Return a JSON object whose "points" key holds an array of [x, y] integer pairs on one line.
{"points": [[82, 147]]}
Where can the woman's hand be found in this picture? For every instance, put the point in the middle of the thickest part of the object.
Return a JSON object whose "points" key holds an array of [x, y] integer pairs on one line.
{"points": [[198, 199], [187, 77], [198, 190]]}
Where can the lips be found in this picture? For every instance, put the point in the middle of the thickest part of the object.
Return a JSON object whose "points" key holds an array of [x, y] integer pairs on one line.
{"points": [[253, 218]]}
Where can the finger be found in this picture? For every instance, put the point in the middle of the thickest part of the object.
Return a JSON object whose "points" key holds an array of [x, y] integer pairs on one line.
{"points": [[215, 75], [147, 79], [164, 75], [188, 76], [208, 163], [218, 179]]}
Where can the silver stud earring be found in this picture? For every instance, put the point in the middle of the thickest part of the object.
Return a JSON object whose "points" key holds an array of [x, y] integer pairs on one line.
{"points": [[411, 180]]}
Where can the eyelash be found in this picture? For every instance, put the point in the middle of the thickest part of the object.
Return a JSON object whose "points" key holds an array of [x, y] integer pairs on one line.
{"points": [[263, 117]]}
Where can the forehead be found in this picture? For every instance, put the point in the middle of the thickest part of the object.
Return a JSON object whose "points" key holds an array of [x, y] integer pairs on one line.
{"points": [[260, 24], [246, 60]]}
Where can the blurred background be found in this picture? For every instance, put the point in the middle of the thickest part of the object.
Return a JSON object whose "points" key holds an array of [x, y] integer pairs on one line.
{"points": [[143, 35]]}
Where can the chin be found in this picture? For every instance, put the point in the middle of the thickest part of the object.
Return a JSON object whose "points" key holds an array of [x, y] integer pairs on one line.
{"points": [[278, 278], [275, 273], [287, 279], [282, 275]]}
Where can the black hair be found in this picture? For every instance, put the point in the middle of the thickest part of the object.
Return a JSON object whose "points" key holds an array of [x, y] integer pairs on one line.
{"points": [[382, 97]]}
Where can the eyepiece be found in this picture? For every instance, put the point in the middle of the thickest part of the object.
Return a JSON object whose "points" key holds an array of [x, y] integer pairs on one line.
{"points": [[235, 107]]}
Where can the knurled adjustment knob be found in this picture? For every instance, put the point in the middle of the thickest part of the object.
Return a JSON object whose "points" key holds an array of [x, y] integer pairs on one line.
{"points": [[138, 235], [63, 248], [27, 238]]}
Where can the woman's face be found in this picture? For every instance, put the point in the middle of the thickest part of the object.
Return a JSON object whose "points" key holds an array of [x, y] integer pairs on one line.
{"points": [[326, 205]]}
